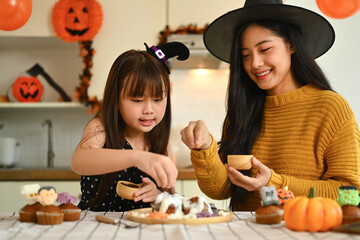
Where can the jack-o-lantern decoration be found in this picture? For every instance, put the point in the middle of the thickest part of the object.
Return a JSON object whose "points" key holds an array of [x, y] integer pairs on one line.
{"points": [[284, 195], [77, 20], [27, 89]]}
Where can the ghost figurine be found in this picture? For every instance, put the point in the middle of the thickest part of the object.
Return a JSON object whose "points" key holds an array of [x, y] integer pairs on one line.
{"points": [[269, 196], [47, 195], [30, 192]]}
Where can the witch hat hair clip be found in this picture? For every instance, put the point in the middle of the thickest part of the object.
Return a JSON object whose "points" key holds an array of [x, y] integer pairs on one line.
{"points": [[163, 52]]}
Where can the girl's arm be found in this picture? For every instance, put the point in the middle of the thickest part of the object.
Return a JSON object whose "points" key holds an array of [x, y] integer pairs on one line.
{"points": [[90, 158]]}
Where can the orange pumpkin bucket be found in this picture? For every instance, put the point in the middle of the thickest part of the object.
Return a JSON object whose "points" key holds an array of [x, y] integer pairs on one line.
{"points": [[27, 89]]}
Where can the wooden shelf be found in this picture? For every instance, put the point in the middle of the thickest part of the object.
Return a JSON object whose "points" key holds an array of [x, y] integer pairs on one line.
{"points": [[55, 174], [44, 105], [63, 174], [35, 42]]}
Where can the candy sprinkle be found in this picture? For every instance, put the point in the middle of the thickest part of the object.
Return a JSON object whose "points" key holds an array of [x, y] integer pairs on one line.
{"points": [[158, 215]]}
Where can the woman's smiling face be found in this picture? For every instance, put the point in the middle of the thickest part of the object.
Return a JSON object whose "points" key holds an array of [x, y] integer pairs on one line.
{"points": [[267, 60]]}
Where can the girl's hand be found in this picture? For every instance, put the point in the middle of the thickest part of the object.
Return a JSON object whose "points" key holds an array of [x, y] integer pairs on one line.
{"points": [[249, 183], [148, 191], [196, 135], [161, 168]]}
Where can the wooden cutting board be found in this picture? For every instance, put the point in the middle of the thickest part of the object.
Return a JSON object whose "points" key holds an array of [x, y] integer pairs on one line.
{"points": [[195, 221]]}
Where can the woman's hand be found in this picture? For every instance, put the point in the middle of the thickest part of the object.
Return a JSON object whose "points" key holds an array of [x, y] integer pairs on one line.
{"points": [[196, 135], [249, 183], [161, 168], [148, 191]]}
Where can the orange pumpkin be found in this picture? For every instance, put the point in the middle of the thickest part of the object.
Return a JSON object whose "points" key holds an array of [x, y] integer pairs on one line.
{"points": [[27, 89], [312, 214], [77, 20], [284, 195]]}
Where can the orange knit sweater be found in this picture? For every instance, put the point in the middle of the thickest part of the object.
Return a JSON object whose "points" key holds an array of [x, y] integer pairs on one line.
{"points": [[309, 138]]}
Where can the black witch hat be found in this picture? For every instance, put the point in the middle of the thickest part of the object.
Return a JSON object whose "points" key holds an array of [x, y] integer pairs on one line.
{"points": [[316, 31], [163, 52]]}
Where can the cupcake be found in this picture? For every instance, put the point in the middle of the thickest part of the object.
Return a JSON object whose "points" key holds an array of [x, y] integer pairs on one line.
{"points": [[270, 211], [349, 200], [28, 212], [71, 211], [49, 214], [351, 214]]}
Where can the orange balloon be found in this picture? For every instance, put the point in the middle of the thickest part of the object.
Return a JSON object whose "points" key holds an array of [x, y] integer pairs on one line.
{"points": [[338, 8], [14, 13]]}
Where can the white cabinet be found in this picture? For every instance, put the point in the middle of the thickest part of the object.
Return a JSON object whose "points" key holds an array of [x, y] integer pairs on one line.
{"points": [[199, 12], [13, 201]]}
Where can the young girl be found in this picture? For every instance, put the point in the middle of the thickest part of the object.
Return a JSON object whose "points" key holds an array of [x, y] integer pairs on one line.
{"points": [[280, 108], [128, 139]]}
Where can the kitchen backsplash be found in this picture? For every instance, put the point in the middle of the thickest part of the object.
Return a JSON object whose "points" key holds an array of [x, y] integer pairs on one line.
{"points": [[195, 95], [26, 125]]}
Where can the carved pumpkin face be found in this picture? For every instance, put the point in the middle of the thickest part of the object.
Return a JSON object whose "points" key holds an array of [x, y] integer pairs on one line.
{"points": [[284, 195], [77, 20], [27, 89]]}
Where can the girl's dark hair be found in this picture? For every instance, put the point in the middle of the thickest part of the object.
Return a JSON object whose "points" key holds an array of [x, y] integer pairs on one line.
{"points": [[134, 73], [245, 100]]}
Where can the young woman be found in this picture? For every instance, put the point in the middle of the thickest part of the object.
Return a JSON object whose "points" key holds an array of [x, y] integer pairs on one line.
{"points": [[128, 139], [280, 108]]}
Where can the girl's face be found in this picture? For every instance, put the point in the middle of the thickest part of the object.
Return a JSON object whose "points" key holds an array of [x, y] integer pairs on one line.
{"points": [[142, 114], [267, 60]]}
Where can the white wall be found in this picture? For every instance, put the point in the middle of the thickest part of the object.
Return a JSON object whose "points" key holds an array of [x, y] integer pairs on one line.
{"points": [[128, 24], [341, 63]]}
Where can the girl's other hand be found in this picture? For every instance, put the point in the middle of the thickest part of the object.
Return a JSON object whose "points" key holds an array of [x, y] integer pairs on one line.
{"points": [[148, 191], [249, 183], [161, 168], [196, 135]]}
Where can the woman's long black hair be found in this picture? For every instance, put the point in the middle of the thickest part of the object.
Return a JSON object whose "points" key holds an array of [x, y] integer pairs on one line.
{"points": [[134, 73], [245, 100]]}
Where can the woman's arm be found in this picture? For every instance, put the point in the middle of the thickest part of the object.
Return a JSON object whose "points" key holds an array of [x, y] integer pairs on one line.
{"points": [[209, 170]]}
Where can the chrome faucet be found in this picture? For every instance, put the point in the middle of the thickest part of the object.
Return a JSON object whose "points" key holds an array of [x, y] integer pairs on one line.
{"points": [[50, 152]]}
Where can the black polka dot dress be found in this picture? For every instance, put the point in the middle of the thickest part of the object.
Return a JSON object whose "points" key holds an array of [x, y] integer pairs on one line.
{"points": [[111, 202]]}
